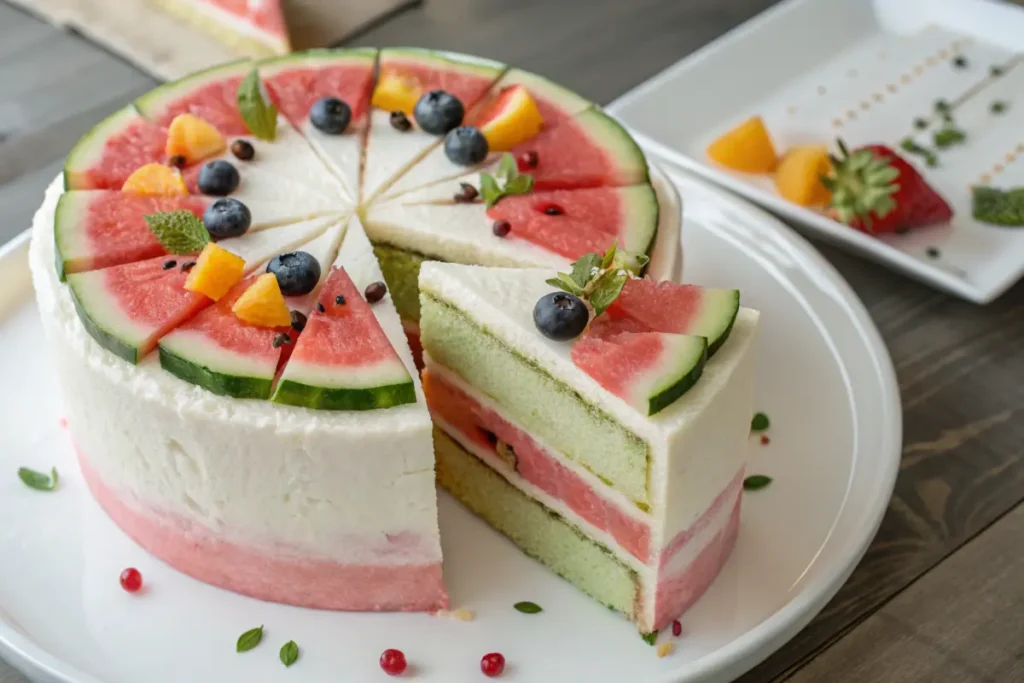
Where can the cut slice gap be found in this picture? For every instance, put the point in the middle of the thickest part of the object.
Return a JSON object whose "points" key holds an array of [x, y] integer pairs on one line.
{"points": [[105, 156]]}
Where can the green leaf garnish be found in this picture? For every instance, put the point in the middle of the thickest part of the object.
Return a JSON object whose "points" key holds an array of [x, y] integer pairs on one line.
{"points": [[998, 107], [259, 115], [527, 607], [948, 136], [759, 423], [607, 290], [756, 482], [650, 638], [249, 639], [583, 269], [909, 145], [598, 278], [179, 232], [39, 480], [566, 283], [289, 653], [509, 181]]}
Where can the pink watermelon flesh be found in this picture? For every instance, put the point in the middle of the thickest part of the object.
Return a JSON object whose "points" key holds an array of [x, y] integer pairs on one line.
{"points": [[266, 15], [136, 145], [584, 221], [294, 91], [109, 228], [216, 102], [468, 87]]}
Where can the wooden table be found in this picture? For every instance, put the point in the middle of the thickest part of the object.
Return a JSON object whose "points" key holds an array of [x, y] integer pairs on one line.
{"points": [[940, 595]]}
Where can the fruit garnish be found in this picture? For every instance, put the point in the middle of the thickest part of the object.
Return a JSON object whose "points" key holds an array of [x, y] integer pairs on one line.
{"points": [[330, 115], [131, 580], [948, 135], [400, 122], [756, 482], [798, 177], [289, 653], [560, 316], [438, 112], [875, 190], [297, 272], [243, 150], [759, 422], [193, 138], [262, 304], [216, 271], [155, 179], [227, 217], [506, 182], [39, 481], [910, 146], [374, 292], [492, 664], [259, 115], [179, 232], [998, 207], [747, 147], [500, 228], [599, 279], [465, 146], [665, 649], [219, 178], [998, 107], [512, 119], [527, 607], [677, 628], [396, 93], [249, 639], [393, 662]]}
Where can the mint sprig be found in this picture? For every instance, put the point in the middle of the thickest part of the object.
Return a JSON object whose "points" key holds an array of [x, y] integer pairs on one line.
{"points": [[506, 182], [599, 278], [249, 639], [39, 481], [259, 115], [179, 232], [756, 482], [289, 653], [527, 607]]}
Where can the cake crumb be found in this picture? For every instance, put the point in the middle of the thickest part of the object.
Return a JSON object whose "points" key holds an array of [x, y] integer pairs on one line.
{"points": [[665, 649], [460, 614]]}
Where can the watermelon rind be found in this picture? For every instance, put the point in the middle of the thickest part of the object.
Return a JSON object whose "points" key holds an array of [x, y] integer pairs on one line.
{"points": [[444, 60], [104, 323], [630, 162], [89, 149], [186, 363], [717, 316], [153, 104], [684, 359], [641, 213], [383, 385], [315, 58], [569, 102], [67, 229]]}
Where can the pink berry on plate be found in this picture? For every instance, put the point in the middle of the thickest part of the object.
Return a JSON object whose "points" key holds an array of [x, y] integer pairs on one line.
{"points": [[492, 664], [393, 662], [131, 580]]}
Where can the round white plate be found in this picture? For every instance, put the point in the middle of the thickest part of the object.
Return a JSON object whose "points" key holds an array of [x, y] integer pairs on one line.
{"points": [[825, 380]]}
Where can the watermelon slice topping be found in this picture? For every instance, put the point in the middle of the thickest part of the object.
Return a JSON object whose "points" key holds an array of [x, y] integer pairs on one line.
{"points": [[110, 152], [297, 81], [344, 360], [556, 103], [211, 95]]}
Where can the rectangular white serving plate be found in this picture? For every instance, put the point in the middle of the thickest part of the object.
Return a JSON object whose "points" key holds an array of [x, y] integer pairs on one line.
{"points": [[862, 70]]}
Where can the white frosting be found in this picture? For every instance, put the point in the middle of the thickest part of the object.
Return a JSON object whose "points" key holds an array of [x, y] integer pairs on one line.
{"points": [[326, 484], [341, 153], [389, 152]]}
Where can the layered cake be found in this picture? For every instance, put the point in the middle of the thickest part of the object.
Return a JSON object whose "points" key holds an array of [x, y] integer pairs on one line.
{"points": [[227, 272]]}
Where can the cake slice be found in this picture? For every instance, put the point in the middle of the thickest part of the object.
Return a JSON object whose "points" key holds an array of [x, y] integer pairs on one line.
{"points": [[255, 28], [636, 502]]}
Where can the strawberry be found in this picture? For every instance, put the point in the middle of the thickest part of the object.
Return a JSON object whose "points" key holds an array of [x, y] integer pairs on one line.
{"points": [[876, 190]]}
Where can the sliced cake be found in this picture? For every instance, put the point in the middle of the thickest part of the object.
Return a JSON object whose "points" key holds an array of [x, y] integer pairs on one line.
{"points": [[255, 28]]}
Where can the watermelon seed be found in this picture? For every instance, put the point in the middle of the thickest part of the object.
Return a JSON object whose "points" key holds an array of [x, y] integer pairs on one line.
{"points": [[529, 159], [400, 122], [491, 437], [553, 210], [320, 308], [243, 149], [340, 300], [187, 266], [501, 228], [375, 291], [298, 321], [281, 339], [170, 264], [467, 193], [177, 161]]}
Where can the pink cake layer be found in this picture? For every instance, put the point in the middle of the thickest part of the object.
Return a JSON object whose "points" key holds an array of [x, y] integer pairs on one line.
{"points": [[255, 572]]}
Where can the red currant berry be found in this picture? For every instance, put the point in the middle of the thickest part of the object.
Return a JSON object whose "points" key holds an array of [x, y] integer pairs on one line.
{"points": [[765, 440], [393, 662], [492, 664], [677, 628], [131, 580]]}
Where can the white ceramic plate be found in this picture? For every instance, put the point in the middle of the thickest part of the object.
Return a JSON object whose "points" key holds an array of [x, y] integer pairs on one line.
{"points": [[825, 380], [820, 69]]}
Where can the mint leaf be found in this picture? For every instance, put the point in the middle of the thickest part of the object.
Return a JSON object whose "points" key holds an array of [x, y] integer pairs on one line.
{"points": [[527, 607], [521, 184], [759, 423], [583, 269], [608, 287], [289, 653], [249, 639], [507, 169], [179, 232], [566, 283], [259, 115], [627, 260], [609, 256], [38, 480], [507, 183], [489, 189], [650, 638], [756, 482]]}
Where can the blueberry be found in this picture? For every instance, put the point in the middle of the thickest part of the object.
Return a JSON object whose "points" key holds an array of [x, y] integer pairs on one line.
{"points": [[560, 316], [218, 178], [297, 272], [330, 115], [438, 112], [465, 146], [227, 218]]}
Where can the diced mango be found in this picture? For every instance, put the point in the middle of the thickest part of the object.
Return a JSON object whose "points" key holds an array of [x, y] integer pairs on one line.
{"points": [[193, 138], [155, 179], [395, 92], [512, 119], [262, 304], [747, 147], [216, 271], [798, 177]]}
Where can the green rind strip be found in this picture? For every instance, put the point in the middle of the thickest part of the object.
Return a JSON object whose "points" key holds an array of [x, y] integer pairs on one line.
{"points": [[540, 532], [719, 316], [316, 57], [401, 269], [483, 67], [105, 338], [631, 163], [642, 212], [692, 356], [211, 380], [152, 104], [544, 405], [294, 393], [84, 153]]}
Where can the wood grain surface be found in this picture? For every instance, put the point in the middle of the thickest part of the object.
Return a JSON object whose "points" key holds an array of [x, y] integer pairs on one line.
{"points": [[940, 595]]}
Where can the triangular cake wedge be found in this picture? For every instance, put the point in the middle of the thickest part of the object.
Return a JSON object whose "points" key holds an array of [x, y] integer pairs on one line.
{"points": [[639, 510], [254, 28], [223, 354], [297, 81], [390, 151], [344, 360]]}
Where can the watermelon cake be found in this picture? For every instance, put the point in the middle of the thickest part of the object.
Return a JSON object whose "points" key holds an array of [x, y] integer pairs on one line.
{"points": [[228, 274], [614, 452]]}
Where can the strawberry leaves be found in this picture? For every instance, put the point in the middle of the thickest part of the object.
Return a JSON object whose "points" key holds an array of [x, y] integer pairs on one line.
{"points": [[599, 278]]}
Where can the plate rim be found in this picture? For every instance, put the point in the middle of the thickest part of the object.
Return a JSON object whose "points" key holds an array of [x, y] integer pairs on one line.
{"points": [[757, 643]]}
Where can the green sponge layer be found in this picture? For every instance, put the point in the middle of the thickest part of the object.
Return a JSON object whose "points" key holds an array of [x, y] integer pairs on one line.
{"points": [[541, 533], [401, 271], [546, 407]]}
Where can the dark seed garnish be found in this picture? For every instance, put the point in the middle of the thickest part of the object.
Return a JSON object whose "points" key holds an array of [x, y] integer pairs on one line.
{"points": [[553, 211], [177, 161], [340, 300], [466, 193], [920, 124], [320, 308], [400, 122], [529, 159], [170, 264], [942, 106], [960, 62], [933, 252], [491, 437], [243, 149], [375, 291], [298, 321], [501, 228], [281, 339], [996, 71], [998, 107], [188, 265]]}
